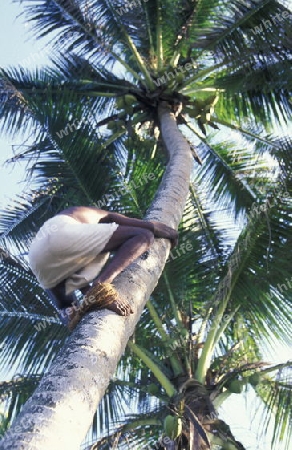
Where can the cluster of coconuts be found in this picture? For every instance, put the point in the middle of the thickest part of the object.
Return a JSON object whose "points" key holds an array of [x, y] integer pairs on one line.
{"points": [[236, 386], [124, 103], [202, 109]]}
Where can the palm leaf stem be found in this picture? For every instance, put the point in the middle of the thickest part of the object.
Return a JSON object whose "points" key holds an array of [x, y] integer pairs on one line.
{"points": [[156, 319], [277, 367], [85, 29], [132, 47], [182, 33], [197, 76], [127, 67], [99, 94], [205, 358], [78, 88], [142, 423], [205, 89], [163, 380], [202, 329], [140, 63], [175, 58], [175, 310], [150, 37], [175, 363], [244, 132], [113, 137], [159, 37], [192, 128], [178, 318], [155, 147], [87, 92], [224, 325]]}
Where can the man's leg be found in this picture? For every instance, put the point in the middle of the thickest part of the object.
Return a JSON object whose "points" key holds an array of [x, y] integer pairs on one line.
{"points": [[128, 243]]}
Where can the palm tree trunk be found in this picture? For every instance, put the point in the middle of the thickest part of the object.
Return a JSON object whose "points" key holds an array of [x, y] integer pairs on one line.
{"points": [[60, 411]]}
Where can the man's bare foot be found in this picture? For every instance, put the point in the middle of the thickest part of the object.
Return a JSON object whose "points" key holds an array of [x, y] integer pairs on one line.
{"points": [[74, 317], [100, 296], [104, 295], [120, 307]]}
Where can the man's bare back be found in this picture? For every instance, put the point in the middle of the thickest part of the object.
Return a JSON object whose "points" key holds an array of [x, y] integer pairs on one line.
{"points": [[85, 214]]}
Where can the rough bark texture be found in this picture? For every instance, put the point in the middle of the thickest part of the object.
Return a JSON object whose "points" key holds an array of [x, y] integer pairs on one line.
{"points": [[60, 411]]}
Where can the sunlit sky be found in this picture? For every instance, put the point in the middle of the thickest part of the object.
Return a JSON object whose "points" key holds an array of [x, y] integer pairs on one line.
{"points": [[17, 47]]}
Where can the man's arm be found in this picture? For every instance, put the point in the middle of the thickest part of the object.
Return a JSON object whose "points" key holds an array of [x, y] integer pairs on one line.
{"points": [[125, 221], [160, 230], [91, 214]]}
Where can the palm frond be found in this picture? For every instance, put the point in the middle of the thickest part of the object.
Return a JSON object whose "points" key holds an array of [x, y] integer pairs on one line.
{"points": [[13, 395], [276, 394], [74, 25], [27, 310], [247, 86], [233, 31], [254, 280]]}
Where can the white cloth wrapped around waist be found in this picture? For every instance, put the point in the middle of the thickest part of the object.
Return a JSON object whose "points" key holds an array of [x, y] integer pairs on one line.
{"points": [[65, 249]]}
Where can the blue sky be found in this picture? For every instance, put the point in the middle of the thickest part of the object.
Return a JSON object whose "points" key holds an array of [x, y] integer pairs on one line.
{"points": [[18, 47]]}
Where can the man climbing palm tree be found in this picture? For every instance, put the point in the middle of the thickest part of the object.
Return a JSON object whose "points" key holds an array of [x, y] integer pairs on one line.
{"points": [[70, 250]]}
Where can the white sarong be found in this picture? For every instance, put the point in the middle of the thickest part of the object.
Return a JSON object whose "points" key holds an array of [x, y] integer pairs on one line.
{"points": [[65, 249]]}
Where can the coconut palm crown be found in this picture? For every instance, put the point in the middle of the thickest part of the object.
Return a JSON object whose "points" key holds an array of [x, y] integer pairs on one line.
{"points": [[223, 70]]}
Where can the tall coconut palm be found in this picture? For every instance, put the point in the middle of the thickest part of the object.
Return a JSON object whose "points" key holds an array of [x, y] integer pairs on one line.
{"points": [[120, 84]]}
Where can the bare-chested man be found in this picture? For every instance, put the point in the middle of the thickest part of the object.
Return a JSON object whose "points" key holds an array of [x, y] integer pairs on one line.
{"points": [[71, 249]]}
